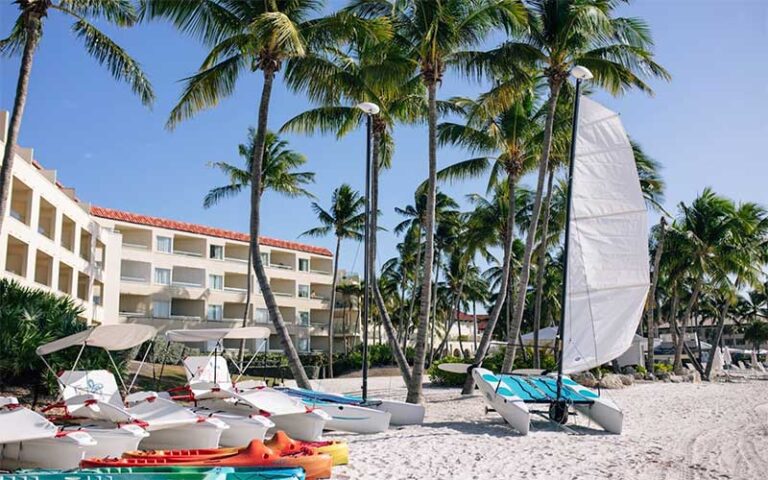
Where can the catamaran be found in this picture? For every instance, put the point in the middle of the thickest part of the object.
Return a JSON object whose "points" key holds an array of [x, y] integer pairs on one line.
{"points": [[210, 386], [606, 277], [92, 397]]}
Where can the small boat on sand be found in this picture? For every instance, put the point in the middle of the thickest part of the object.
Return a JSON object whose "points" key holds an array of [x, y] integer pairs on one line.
{"points": [[256, 454], [161, 473]]}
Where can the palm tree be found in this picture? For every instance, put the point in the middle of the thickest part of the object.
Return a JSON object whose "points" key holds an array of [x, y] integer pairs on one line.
{"points": [[279, 175], [345, 220], [25, 37], [513, 139], [350, 292], [756, 333], [246, 36], [560, 35], [377, 72], [438, 33]]}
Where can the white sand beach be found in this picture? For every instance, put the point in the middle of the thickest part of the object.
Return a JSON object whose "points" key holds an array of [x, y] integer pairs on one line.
{"points": [[671, 431]]}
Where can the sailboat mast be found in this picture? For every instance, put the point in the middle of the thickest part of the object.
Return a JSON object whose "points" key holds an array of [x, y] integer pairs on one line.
{"points": [[564, 292]]}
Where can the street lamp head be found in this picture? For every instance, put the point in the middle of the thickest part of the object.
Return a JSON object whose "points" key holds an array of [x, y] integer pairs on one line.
{"points": [[581, 73], [368, 108]]}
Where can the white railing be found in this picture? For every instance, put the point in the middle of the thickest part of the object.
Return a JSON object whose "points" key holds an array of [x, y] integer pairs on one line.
{"points": [[187, 253], [234, 259], [281, 266], [177, 283], [131, 314], [140, 246], [321, 272], [126, 278], [235, 289], [282, 294]]}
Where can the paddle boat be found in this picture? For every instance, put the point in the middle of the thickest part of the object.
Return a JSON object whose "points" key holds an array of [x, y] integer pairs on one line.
{"points": [[210, 386], [315, 465], [92, 397], [162, 473]]}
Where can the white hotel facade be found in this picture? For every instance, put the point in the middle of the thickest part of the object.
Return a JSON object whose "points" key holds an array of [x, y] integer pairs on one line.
{"points": [[125, 267]]}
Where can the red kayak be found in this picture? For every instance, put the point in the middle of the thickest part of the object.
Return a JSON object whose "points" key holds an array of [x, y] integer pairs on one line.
{"points": [[256, 454]]}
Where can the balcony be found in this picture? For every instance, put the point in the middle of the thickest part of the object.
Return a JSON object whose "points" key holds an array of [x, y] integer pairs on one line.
{"points": [[188, 246], [282, 260], [46, 220], [135, 272], [236, 253], [134, 305], [188, 277], [68, 230], [321, 266], [282, 287], [21, 202], [236, 282], [136, 238], [16, 257], [184, 309]]}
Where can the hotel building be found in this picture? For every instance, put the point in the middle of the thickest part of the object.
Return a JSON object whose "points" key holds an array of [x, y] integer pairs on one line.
{"points": [[125, 267]]}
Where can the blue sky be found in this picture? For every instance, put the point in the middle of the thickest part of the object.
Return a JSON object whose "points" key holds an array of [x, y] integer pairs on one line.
{"points": [[707, 126]]}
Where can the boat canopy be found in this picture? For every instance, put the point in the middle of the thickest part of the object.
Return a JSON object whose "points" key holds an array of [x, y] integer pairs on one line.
{"points": [[608, 267], [108, 337], [216, 334]]}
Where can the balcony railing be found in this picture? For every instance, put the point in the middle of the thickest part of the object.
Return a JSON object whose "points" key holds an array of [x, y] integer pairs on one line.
{"points": [[235, 289], [321, 272], [281, 266], [283, 294], [128, 278], [139, 246], [178, 283], [187, 253], [235, 259]]}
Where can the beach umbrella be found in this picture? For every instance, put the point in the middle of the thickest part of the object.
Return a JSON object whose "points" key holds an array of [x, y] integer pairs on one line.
{"points": [[727, 356], [753, 359]]}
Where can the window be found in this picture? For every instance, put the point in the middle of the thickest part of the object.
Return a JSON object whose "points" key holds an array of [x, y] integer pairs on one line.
{"points": [[262, 345], [161, 309], [303, 344], [303, 291], [265, 258], [163, 276], [216, 282], [261, 315], [217, 252], [215, 312], [164, 244], [303, 264], [304, 319]]}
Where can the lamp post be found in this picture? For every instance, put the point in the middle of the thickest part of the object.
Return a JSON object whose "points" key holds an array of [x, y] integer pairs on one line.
{"points": [[369, 109], [559, 409]]}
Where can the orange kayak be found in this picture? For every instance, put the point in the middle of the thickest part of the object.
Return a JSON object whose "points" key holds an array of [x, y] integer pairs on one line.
{"points": [[256, 454], [280, 443]]}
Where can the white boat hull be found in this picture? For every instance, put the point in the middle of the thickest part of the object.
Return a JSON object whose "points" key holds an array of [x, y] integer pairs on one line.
{"points": [[204, 434], [112, 442], [402, 413], [352, 418], [307, 426], [604, 413], [59, 453], [510, 407], [242, 428]]}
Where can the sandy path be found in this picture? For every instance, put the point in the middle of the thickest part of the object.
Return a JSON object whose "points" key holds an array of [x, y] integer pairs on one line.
{"points": [[672, 431]]}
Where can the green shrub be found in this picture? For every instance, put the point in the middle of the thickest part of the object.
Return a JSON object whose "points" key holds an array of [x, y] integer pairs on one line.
{"points": [[446, 379], [30, 318], [662, 368], [641, 369]]}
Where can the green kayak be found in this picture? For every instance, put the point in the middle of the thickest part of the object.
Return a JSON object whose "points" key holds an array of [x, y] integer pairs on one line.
{"points": [[160, 473]]}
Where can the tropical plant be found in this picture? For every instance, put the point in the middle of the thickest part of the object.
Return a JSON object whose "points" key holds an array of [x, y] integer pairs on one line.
{"points": [[562, 34], [345, 220], [756, 332], [245, 36], [279, 176], [439, 33], [24, 38]]}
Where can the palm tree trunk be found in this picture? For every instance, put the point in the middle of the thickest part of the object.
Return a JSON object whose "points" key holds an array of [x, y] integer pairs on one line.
{"points": [[474, 326], [297, 369], [540, 270], [681, 345], [716, 340], [651, 305], [247, 304], [519, 306], [509, 234], [397, 352], [333, 307], [415, 291], [345, 313], [32, 27], [434, 310], [417, 374], [452, 319]]}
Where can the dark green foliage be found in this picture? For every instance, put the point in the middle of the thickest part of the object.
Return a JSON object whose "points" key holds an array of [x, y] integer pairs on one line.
{"points": [[30, 318]]}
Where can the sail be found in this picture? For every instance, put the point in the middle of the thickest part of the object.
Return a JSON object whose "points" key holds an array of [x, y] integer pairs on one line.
{"points": [[608, 272]]}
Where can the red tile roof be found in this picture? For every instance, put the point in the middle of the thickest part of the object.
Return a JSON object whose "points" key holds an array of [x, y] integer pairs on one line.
{"points": [[467, 317], [203, 230]]}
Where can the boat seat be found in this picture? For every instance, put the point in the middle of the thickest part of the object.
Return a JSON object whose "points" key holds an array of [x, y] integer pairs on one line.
{"points": [[549, 385], [513, 386]]}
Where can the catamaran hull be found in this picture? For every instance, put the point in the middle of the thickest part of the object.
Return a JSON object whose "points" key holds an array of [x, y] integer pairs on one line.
{"points": [[354, 419], [242, 428], [307, 426], [402, 413], [511, 408], [112, 442], [204, 434], [604, 413], [60, 452]]}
